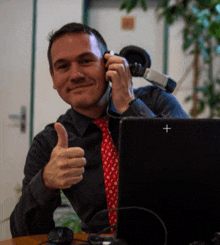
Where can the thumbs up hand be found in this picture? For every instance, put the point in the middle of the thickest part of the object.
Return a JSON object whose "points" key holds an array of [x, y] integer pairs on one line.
{"points": [[66, 165]]}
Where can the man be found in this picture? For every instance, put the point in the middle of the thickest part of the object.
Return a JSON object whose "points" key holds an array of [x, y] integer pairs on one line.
{"points": [[67, 155]]}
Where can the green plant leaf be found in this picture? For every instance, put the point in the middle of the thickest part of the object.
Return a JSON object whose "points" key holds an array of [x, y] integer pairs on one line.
{"points": [[195, 10], [199, 30], [206, 55], [163, 4], [199, 89], [144, 5], [131, 5], [188, 42], [201, 106], [188, 98], [203, 3], [123, 5], [215, 30], [171, 14], [218, 50], [173, 9], [217, 7], [67, 223]]}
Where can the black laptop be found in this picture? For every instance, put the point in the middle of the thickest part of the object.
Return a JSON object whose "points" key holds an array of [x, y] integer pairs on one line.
{"points": [[169, 181]]}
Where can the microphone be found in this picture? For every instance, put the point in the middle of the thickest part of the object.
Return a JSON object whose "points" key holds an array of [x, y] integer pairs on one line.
{"points": [[140, 62]]}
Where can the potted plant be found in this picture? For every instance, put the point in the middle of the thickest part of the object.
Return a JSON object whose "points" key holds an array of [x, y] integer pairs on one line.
{"points": [[201, 35]]}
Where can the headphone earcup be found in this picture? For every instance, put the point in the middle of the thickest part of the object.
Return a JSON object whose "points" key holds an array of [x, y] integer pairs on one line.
{"points": [[138, 58]]}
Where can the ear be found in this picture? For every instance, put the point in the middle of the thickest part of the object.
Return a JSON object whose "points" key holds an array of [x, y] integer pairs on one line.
{"points": [[52, 76]]}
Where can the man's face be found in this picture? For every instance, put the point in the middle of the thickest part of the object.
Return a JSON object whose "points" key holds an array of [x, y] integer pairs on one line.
{"points": [[78, 70]]}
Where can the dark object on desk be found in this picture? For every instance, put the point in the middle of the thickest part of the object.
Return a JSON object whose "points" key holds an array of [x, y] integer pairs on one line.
{"points": [[60, 236], [169, 166]]}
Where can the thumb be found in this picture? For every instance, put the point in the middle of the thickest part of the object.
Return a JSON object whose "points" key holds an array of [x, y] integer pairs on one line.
{"points": [[62, 135]]}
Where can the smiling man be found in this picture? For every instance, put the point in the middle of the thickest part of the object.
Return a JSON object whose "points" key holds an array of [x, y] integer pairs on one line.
{"points": [[69, 154], [78, 74]]}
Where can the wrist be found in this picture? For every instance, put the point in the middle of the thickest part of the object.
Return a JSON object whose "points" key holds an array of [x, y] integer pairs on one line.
{"points": [[127, 104], [44, 180]]}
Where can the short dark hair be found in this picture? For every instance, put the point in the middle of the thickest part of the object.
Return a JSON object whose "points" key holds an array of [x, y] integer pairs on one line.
{"points": [[75, 28]]}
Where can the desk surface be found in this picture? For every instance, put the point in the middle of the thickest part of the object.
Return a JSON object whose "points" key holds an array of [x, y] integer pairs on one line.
{"points": [[36, 239]]}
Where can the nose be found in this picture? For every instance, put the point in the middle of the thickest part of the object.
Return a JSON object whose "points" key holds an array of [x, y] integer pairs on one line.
{"points": [[76, 72]]}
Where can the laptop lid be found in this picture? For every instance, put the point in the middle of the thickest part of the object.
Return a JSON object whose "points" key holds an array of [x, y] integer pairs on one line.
{"points": [[170, 169]]}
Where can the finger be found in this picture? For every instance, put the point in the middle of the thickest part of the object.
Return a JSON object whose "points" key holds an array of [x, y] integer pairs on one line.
{"points": [[72, 181], [108, 55], [119, 68], [116, 60], [74, 172], [113, 76], [74, 152], [78, 172], [74, 163], [62, 135], [77, 162], [68, 182]]}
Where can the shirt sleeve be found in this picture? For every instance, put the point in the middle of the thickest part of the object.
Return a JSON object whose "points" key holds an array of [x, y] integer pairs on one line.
{"points": [[150, 102], [33, 214], [138, 109]]}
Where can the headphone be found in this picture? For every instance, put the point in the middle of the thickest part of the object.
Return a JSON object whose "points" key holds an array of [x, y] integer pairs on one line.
{"points": [[139, 62], [138, 58]]}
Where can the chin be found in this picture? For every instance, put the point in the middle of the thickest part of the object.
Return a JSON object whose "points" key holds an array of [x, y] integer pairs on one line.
{"points": [[88, 101], [84, 104]]}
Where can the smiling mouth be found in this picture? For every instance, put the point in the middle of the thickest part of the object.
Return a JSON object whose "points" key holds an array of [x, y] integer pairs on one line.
{"points": [[78, 87]]}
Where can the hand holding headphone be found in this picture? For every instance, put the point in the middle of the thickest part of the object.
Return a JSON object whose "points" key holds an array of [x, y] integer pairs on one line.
{"points": [[140, 62]]}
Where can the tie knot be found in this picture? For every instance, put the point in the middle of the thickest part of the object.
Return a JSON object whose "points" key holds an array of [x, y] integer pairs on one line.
{"points": [[102, 123]]}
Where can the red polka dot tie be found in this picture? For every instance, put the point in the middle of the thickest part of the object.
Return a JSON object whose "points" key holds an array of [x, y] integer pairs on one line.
{"points": [[110, 168]]}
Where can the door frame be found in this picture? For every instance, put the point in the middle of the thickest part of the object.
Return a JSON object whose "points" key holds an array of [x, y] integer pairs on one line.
{"points": [[34, 31]]}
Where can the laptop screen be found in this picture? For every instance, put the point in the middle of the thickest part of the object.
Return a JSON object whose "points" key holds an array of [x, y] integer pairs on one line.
{"points": [[169, 172]]}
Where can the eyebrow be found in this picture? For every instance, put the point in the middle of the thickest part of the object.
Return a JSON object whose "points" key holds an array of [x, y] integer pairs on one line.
{"points": [[60, 61]]}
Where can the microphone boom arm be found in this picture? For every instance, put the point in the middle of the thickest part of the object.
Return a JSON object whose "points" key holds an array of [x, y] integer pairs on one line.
{"points": [[160, 80]]}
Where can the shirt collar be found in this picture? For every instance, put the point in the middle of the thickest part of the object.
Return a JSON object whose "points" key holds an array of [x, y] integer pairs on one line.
{"points": [[80, 121]]}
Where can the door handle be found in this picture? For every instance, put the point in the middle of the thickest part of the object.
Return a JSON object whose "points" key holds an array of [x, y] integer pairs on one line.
{"points": [[22, 117]]}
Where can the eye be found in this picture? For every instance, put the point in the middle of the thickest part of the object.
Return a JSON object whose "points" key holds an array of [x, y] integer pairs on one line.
{"points": [[86, 61], [64, 66]]}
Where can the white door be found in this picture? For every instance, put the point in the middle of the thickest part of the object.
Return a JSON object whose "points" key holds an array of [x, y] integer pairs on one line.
{"points": [[15, 81]]}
